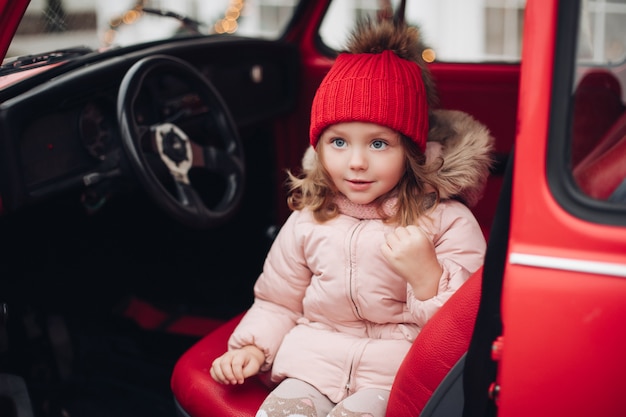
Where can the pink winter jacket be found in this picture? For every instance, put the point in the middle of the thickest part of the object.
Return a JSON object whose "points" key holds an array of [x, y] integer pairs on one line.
{"points": [[328, 308]]}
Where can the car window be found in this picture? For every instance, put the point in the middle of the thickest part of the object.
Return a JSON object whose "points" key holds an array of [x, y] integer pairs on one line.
{"points": [[485, 31], [58, 24], [478, 31], [598, 114]]}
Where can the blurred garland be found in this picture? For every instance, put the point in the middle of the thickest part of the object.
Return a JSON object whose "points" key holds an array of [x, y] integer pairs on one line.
{"points": [[226, 24]]}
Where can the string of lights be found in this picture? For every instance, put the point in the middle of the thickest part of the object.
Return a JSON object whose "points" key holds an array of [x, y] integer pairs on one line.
{"points": [[228, 23]]}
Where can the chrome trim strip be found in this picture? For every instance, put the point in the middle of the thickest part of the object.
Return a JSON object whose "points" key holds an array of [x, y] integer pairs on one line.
{"points": [[567, 264]]}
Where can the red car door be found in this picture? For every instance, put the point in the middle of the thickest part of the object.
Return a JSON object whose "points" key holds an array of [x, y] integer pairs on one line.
{"points": [[563, 309]]}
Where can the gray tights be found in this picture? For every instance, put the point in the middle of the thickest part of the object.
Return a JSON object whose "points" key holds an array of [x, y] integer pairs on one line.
{"points": [[295, 398]]}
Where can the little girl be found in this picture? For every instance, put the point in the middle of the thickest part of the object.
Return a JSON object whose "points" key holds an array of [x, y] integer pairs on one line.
{"points": [[379, 238]]}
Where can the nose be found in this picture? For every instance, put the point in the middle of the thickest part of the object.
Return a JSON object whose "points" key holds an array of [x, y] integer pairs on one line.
{"points": [[358, 160]]}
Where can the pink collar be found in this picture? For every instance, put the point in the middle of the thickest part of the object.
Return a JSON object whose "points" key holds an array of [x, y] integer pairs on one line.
{"points": [[364, 211]]}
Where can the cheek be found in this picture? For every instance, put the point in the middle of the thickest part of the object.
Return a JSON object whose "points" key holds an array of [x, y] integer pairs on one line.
{"points": [[393, 167], [332, 163], [396, 175]]}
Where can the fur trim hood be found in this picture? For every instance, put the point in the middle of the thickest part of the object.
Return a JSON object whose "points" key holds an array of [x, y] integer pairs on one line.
{"points": [[459, 151], [464, 149]]}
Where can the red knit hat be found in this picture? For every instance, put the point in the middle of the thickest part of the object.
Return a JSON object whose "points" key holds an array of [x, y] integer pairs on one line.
{"points": [[379, 88]]}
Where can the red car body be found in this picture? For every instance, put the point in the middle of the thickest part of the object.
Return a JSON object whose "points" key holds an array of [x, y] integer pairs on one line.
{"points": [[562, 304]]}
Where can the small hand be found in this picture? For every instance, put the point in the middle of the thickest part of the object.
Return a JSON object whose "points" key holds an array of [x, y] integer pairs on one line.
{"points": [[234, 366], [411, 253]]}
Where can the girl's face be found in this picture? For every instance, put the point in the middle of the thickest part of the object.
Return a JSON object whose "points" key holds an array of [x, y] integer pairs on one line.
{"points": [[364, 160]]}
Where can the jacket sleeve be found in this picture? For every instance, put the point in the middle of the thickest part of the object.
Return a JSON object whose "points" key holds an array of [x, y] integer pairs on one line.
{"points": [[278, 295], [460, 246]]}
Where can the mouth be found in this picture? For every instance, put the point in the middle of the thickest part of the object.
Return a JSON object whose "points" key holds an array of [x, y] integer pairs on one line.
{"points": [[357, 184]]}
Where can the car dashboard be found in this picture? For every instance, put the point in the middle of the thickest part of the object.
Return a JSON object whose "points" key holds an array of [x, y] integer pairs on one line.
{"points": [[60, 129]]}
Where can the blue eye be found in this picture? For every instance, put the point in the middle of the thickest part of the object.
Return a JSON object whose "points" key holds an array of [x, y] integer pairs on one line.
{"points": [[379, 144], [338, 142]]}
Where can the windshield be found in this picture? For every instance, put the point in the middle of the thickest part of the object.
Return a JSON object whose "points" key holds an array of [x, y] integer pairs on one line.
{"points": [[50, 25], [492, 34]]}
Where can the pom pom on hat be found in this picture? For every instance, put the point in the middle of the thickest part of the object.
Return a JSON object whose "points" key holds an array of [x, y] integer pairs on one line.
{"points": [[381, 80]]}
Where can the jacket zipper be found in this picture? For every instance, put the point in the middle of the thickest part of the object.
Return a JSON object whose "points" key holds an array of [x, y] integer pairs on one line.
{"points": [[358, 351], [356, 354], [352, 283], [349, 381]]}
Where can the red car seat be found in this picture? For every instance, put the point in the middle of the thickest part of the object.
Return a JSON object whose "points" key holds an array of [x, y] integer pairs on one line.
{"points": [[602, 173], [440, 346], [597, 105]]}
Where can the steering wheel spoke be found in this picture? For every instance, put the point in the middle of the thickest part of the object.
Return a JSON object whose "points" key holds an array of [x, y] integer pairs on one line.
{"points": [[168, 139], [187, 195], [217, 160]]}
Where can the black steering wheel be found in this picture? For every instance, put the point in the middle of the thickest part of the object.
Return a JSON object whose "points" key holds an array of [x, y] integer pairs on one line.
{"points": [[163, 154]]}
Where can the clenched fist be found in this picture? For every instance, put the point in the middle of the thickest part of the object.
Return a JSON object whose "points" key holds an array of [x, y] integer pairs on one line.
{"points": [[411, 253]]}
